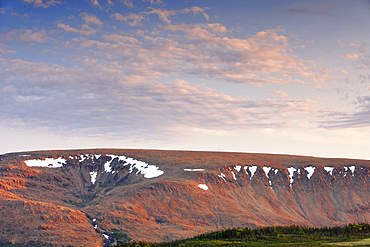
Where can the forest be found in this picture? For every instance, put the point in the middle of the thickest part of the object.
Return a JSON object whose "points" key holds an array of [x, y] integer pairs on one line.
{"points": [[348, 235]]}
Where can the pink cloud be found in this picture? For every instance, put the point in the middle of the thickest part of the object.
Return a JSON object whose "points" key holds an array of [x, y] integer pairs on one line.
{"points": [[131, 19], [86, 30], [38, 36], [43, 3], [90, 18]]}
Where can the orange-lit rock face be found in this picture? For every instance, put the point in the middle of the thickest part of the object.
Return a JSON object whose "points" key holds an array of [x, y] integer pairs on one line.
{"points": [[80, 197]]}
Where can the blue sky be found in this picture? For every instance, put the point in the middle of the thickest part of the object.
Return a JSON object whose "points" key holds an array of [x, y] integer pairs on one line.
{"points": [[288, 77]]}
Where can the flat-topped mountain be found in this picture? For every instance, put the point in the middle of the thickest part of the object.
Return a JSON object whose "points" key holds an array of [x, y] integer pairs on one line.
{"points": [[103, 196]]}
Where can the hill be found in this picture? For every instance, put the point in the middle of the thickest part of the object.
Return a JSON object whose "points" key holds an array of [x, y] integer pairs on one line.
{"points": [[106, 196]]}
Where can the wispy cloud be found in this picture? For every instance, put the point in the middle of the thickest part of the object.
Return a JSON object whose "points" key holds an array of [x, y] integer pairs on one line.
{"points": [[166, 14], [95, 3], [105, 100], [86, 30], [128, 3], [43, 3], [90, 18], [153, 1], [131, 19], [311, 8], [38, 36]]}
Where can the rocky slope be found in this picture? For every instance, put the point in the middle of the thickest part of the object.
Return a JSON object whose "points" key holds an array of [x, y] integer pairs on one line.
{"points": [[96, 197]]}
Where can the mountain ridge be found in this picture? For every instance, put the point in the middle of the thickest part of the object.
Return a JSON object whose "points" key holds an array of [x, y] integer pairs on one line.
{"points": [[175, 194]]}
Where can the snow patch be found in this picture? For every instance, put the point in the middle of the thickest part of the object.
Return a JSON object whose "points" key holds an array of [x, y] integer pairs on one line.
{"points": [[24, 155], [310, 170], [48, 162], [105, 235], [329, 169], [149, 171], [193, 170], [233, 175], [222, 176], [252, 170], [266, 169], [82, 157], [203, 186], [276, 171], [107, 167], [291, 171], [352, 168], [238, 167], [93, 177]]}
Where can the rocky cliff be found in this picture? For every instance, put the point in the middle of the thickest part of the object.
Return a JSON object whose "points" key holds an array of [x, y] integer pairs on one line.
{"points": [[96, 197]]}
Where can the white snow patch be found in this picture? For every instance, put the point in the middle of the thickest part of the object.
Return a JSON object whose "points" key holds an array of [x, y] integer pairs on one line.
{"points": [[291, 173], [233, 175], [266, 169], [222, 176], [24, 155], [203, 186], [105, 235], [310, 170], [329, 169], [149, 171], [107, 167], [82, 158], [93, 177], [238, 167], [276, 171], [95, 227], [271, 186], [345, 171], [97, 156], [94, 220], [48, 162], [193, 170], [252, 170], [352, 168]]}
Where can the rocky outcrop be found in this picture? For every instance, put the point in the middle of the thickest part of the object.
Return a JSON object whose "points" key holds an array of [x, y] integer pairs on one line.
{"points": [[164, 195]]}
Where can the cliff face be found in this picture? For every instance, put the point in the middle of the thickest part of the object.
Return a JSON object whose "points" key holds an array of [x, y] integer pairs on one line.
{"points": [[87, 197]]}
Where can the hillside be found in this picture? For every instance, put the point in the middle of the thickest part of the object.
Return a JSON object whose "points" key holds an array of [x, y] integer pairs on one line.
{"points": [[98, 196]]}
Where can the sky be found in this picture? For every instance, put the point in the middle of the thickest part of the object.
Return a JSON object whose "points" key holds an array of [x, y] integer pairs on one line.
{"points": [[272, 76]]}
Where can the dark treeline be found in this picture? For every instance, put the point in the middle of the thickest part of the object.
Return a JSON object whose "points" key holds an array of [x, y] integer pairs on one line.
{"points": [[272, 232]]}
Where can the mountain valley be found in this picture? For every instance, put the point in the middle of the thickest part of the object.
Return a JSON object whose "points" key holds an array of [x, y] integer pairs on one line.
{"points": [[100, 197]]}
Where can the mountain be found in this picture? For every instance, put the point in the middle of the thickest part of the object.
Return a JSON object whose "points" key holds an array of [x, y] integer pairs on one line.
{"points": [[101, 196]]}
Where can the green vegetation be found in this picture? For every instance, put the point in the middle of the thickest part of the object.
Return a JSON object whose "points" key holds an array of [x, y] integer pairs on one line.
{"points": [[349, 235]]}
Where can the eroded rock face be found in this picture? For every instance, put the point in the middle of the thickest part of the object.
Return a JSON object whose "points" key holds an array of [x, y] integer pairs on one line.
{"points": [[89, 197]]}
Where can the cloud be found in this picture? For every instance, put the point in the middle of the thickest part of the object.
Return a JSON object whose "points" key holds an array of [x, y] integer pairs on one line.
{"points": [[128, 3], [195, 10], [20, 15], [342, 119], [153, 1], [38, 36], [279, 93], [131, 19], [311, 8], [90, 18], [203, 49], [165, 14], [5, 49], [353, 57], [95, 3], [86, 30], [264, 58], [42, 3], [104, 99]]}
